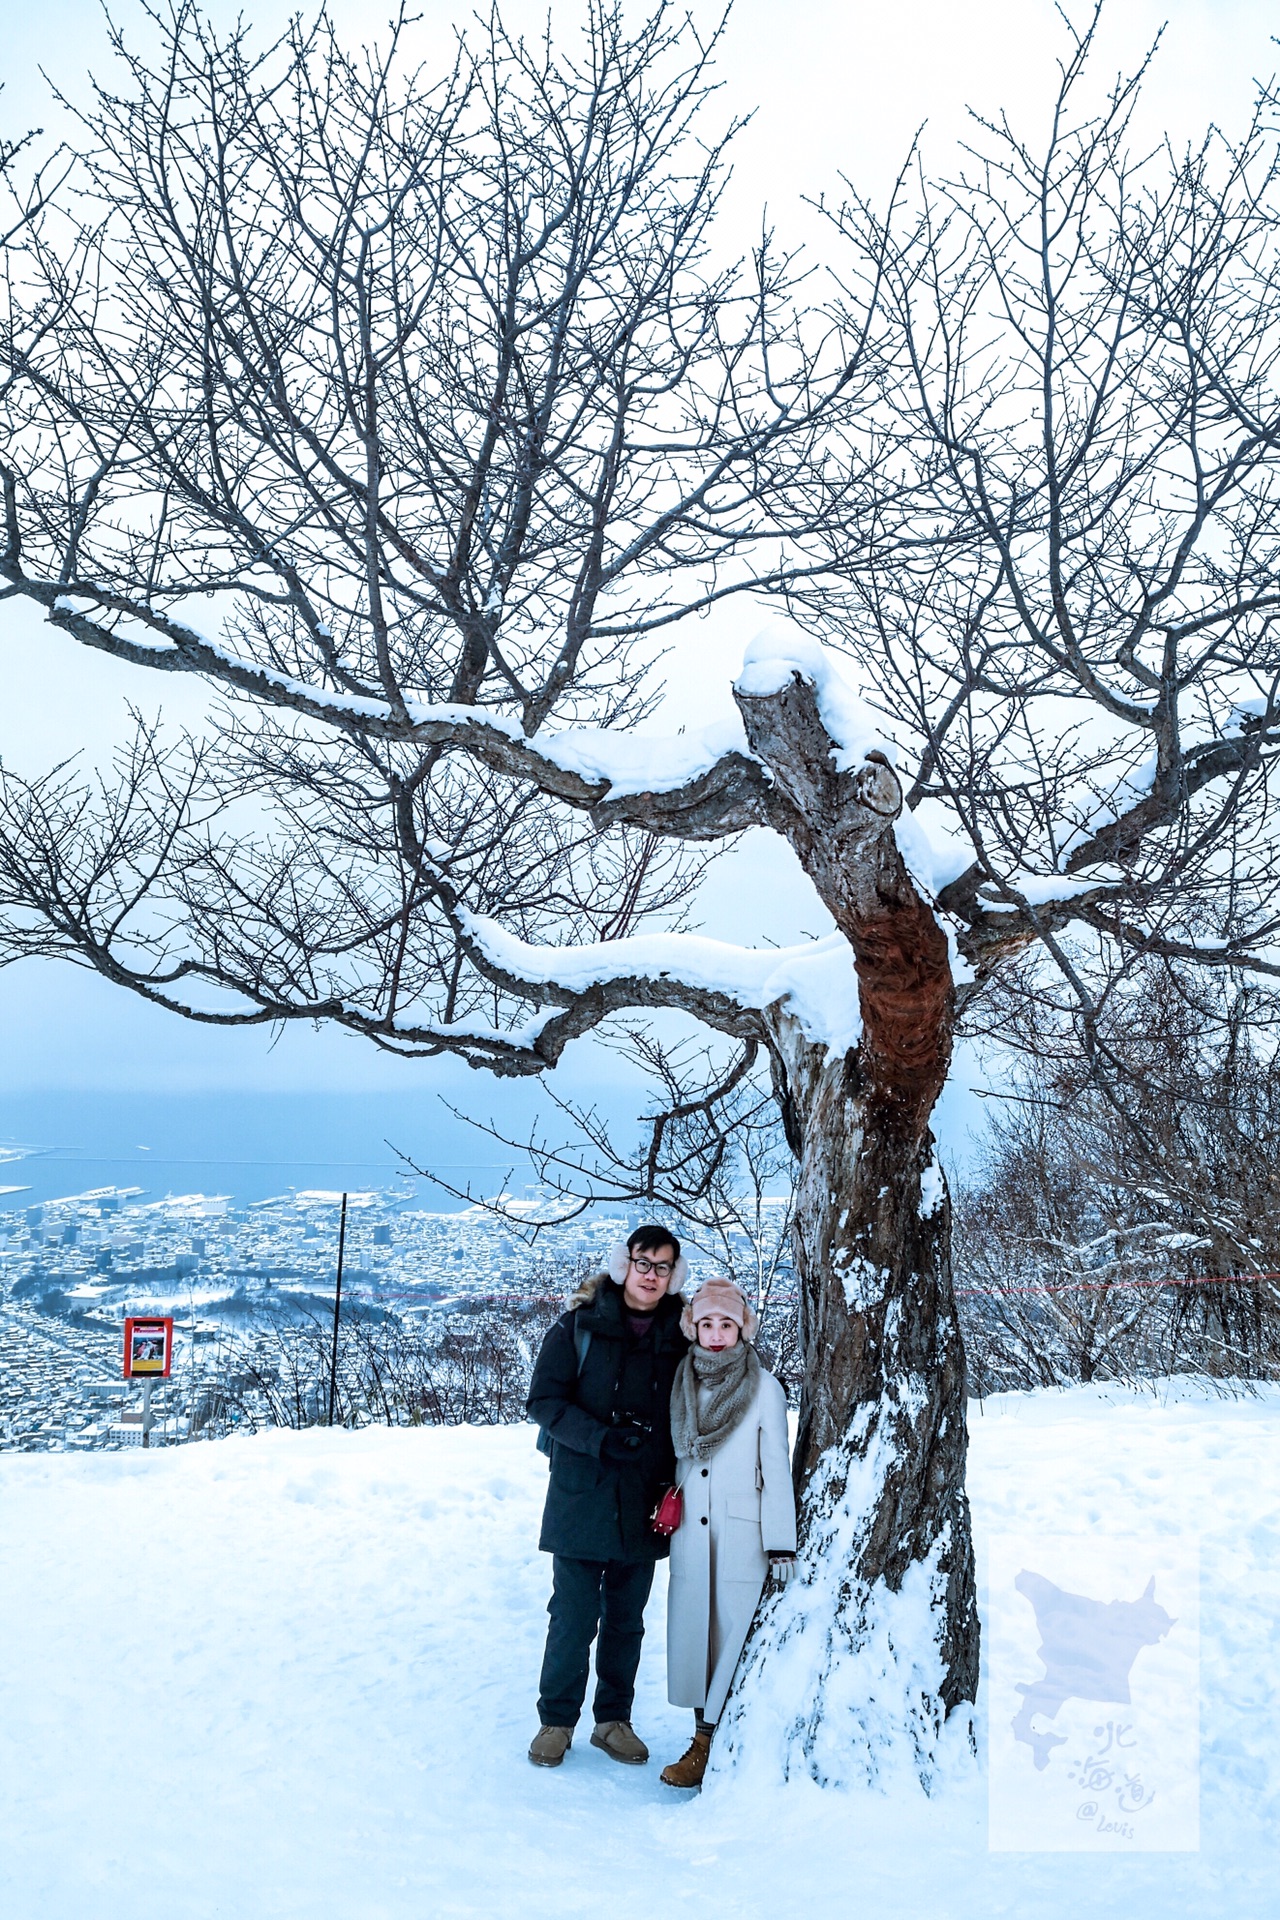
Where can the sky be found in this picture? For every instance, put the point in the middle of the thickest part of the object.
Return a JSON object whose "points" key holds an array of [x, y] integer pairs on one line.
{"points": [[836, 87]]}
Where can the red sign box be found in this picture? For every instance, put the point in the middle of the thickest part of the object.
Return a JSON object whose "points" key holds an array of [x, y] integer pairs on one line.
{"points": [[148, 1348]]}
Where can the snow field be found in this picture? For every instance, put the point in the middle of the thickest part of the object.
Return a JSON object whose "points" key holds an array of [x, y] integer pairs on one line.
{"points": [[294, 1675]]}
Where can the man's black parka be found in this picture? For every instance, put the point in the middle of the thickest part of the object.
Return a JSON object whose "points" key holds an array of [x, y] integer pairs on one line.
{"points": [[597, 1510]]}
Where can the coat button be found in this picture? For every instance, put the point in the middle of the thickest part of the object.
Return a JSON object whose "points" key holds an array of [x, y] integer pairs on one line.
{"points": [[704, 1519], [705, 1472]]}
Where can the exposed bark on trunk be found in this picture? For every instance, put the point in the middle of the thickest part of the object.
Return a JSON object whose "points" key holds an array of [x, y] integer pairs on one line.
{"points": [[878, 1641]]}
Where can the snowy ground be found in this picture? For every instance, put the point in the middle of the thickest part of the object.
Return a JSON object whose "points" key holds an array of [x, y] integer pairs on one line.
{"points": [[293, 1675]]}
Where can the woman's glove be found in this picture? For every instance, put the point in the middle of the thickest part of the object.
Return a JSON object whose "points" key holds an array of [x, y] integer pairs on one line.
{"points": [[620, 1445], [781, 1567]]}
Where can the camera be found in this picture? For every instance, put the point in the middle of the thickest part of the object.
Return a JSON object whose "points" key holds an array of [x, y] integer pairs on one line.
{"points": [[631, 1423]]}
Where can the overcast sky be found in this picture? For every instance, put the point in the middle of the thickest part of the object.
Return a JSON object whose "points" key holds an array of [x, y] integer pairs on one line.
{"points": [[836, 88]]}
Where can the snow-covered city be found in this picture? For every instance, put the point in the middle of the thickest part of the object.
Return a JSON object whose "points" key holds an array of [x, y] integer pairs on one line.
{"points": [[236, 1280]]}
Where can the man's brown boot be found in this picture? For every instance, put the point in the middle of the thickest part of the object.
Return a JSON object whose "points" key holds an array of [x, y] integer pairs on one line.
{"points": [[616, 1738], [550, 1745], [688, 1770]]}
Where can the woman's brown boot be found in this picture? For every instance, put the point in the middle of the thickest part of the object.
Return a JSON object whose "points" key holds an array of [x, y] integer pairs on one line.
{"points": [[689, 1769]]}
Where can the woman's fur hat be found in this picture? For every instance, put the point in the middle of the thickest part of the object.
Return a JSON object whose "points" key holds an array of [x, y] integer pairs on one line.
{"points": [[719, 1296]]}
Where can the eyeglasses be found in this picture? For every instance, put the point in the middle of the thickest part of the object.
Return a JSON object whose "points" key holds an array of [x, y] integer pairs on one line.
{"points": [[663, 1268]]}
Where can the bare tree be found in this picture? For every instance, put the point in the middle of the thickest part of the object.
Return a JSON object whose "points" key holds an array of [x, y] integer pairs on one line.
{"points": [[432, 392], [1129, 1225]]}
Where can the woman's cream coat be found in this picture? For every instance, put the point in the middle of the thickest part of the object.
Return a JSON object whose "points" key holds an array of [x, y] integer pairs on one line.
{"points": [[738, 1506]]}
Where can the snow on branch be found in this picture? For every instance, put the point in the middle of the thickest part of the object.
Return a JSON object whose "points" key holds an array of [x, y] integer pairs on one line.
{"points": [[702, 784], [782, 649], [815, 980]]}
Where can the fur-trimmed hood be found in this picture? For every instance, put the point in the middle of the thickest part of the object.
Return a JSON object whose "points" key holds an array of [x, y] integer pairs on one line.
{"points": [[584, 1294]]}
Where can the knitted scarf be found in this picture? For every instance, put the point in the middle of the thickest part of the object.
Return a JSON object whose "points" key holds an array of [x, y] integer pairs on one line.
{"points": [[731, 1379]]}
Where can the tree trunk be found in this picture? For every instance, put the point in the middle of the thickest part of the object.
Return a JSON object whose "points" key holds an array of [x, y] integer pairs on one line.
{"points": [[854, 1669]]}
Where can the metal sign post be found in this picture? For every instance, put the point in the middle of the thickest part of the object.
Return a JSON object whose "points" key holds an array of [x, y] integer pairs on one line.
{"points": [[337, 1308], [148, 1356]]}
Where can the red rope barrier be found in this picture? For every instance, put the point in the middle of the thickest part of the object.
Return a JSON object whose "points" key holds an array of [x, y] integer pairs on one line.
{"points": [[475, 1299], [1100, 1286], [962, 1293]]}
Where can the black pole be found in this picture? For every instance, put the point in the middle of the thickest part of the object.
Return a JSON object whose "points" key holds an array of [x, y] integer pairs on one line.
{"points": [[337, 1308]]}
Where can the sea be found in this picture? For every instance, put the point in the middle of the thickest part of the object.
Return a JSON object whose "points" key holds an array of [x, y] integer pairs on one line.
{"points": [[249, 1146], [252, 1146]]}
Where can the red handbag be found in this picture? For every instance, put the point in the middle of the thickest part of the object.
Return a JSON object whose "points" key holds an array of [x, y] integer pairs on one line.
{"points": [[668, 1513]]}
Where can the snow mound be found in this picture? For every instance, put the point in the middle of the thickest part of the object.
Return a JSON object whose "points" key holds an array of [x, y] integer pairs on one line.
{"points": [[292, 1678]]}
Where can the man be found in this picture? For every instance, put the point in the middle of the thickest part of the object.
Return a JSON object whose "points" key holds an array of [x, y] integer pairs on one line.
{"points": [[602, 1391]]}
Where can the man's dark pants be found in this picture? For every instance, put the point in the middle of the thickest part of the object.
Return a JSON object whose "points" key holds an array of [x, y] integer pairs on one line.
{"points": [[586, 1594]]}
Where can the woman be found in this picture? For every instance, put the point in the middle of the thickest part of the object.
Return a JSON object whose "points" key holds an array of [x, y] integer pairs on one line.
{"points": [[729, 1430]]}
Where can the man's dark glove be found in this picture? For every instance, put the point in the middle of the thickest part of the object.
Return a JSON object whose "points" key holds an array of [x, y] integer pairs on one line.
{"points": [[620, 1445]]}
